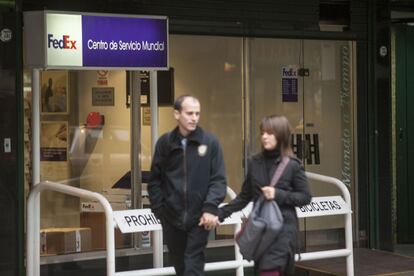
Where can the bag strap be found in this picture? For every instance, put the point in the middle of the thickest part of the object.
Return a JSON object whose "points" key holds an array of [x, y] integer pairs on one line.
{"points": [[279, 171]]}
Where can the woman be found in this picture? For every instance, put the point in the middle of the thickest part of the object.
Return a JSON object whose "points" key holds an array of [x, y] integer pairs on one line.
{"points": [[292, 190]]}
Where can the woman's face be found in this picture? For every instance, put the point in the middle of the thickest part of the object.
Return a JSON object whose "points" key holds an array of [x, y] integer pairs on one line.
{"points": [[268, 140]]}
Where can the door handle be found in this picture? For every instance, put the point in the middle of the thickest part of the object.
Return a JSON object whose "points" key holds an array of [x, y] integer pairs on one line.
{"points": [[303, 72], [306, 151], [400, 133]]}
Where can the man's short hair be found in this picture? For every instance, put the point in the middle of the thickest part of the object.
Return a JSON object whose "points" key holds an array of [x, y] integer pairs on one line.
{"points": [[178, 104]]}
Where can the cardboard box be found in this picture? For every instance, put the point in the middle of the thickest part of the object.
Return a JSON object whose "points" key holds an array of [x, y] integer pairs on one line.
{"points": [[96, 222], [64, 240], [93, 206]]}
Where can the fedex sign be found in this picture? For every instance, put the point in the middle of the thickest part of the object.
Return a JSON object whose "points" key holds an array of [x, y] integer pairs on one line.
{"points": [[64, 43], [289, 72], [64, 39], [95, 41]]}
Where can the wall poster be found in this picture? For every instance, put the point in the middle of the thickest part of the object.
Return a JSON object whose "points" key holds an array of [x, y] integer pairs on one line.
{"points": [[54, 92], [54, 151], [54, 141]]}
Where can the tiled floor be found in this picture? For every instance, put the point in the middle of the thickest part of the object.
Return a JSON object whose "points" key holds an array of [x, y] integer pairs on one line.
{"points": [[405, 249], [368, 262]]}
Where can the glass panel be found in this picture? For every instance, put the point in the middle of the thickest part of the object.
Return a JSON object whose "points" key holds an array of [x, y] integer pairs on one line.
{"points": [[274, 65], [81, 148], [328, 127], [210, 69], [276, 88], [78, 150], [319, 108]]}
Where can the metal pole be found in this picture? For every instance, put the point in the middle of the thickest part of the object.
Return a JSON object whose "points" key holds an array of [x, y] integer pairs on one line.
{"points": [[237, 255], [35, 247], [35, 126], [33, 259], [135, 92], [33, 256], [348, 217], [349, 245], [247, 114], [157, 245]]}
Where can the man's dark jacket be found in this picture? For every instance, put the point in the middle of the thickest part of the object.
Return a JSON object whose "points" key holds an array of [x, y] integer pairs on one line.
{"points": [[185, 183]]}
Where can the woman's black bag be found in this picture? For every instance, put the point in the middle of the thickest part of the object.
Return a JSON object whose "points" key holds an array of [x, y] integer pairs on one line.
{"points": [[264, 223]]}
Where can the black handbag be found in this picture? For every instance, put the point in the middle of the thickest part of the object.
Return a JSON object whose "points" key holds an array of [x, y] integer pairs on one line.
{"points": [[264, 223]]}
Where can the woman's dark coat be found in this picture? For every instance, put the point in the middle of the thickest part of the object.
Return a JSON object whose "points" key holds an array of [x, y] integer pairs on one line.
{"points": [[291, 190]]}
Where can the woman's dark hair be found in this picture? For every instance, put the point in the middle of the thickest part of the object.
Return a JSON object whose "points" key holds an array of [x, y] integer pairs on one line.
{"points": [[280, 127], [178, 104]]}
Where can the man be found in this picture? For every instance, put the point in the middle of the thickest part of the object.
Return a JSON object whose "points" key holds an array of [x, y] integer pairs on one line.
{"points": [[186, 185]]}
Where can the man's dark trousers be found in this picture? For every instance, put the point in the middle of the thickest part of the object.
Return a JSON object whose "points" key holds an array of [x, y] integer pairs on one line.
{"points": [[186, 249]]}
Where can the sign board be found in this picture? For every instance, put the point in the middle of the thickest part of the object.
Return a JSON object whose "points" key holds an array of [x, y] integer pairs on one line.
{"points": [[324, 206], [141, 220], [290, 83], [56, 40], [138, 220], [103, 96]]}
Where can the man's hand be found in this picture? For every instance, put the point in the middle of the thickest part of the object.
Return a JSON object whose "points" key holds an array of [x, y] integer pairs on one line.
{"points": [[209, 221]]}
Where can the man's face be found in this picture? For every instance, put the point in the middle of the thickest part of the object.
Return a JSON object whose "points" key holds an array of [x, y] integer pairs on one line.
{"points": [[189, 115]]}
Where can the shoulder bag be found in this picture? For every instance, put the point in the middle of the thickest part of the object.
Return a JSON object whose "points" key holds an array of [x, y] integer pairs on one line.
{"points": [[264, 223]]}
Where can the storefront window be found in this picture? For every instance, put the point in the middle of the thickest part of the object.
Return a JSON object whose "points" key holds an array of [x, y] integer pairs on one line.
{"points": [[310, 82], [210, 69], [85, 143], [85, 126]]}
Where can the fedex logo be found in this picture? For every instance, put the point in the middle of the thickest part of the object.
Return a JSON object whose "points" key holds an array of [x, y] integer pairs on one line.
{"points": [[289, 72], [64, 43]]}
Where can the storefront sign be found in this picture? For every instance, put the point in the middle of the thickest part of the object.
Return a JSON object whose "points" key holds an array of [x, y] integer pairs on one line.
{"points": [[94, 41], [324, 206], [290, 84]]}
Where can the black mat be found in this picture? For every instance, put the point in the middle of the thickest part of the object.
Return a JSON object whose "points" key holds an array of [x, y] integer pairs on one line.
{"points": [[366, 262]]}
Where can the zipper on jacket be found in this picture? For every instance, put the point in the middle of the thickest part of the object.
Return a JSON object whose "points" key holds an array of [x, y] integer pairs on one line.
{"points": [[185, 184]]}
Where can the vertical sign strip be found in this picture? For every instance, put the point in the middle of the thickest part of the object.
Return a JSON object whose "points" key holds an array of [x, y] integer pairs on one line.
{"points": [[346, 132]]}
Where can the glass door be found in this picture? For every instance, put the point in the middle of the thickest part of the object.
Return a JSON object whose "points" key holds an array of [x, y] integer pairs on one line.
{"points": [[328, 129], [275, 86], [310, 82]]}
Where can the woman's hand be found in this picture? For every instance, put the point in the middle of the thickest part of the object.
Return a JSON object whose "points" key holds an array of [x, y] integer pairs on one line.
{"points": [[269, 192], [209, 221]]}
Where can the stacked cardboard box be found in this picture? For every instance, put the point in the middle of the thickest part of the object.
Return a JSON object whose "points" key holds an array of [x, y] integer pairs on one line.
{"points": [[96, 222], [64, 240], [93, 216]]}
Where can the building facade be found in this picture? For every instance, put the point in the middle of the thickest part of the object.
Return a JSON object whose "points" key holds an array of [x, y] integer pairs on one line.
{"points": [[326, 65]]}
